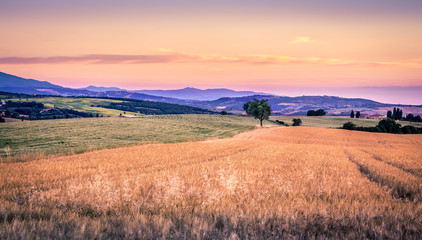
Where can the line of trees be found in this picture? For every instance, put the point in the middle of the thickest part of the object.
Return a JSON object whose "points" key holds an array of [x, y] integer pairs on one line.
{"points": [[353, 114], [36, 111], [412, 118], [396, 114], [385, 126], [155, 108], [319, 112]]}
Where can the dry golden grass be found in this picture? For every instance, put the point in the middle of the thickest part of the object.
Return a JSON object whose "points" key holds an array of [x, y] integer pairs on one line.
{"points": [[296, 182]]}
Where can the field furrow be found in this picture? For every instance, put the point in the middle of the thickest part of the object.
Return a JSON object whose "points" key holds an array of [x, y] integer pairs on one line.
{"points": [[399, 183], [407, 161]]}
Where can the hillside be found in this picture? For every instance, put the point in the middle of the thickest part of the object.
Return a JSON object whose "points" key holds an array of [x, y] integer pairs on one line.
{"points": [[232, 101], [11, 83], [335, 106], [15, 84], [102, 106], [29, 140]]}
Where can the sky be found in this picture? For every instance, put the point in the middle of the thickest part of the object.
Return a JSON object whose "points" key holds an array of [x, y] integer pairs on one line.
{"points": [[282, 47]]}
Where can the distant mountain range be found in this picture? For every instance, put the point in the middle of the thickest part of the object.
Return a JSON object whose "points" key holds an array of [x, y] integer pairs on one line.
{"points": [[199, 94], [188, 93], [213, 99], [101, 89]]}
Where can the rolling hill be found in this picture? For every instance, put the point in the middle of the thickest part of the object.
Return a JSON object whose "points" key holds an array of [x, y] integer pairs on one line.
{"points": [[232, 101], [58, 106], [187, 93]]}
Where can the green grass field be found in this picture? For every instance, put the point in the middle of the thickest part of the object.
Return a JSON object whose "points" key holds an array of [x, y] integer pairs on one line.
{"points": [[28, 140], [88, 105], [335, 122]]}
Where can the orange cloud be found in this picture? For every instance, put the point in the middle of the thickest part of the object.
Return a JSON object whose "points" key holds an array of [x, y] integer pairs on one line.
{"points": [[301, 40], [169, 56], [411, 63]]}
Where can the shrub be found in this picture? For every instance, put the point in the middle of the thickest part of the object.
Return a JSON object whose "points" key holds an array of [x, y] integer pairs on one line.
{"points": [[349, 125], [389, 126], [409, 130], [280, 122], [297, 122], [15, 115]]}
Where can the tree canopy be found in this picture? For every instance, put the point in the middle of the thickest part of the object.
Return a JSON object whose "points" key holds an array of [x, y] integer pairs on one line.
{"points": [[319, 112], [260, 109]]}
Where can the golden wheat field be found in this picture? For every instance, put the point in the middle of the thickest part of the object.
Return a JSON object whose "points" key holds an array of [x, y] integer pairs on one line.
{"points": [[268, 183]]}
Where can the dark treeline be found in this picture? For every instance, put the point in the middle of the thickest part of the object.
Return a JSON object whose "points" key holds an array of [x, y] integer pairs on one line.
{"points": [[155, 108], [412, 118], [397, 114], [353, 114], [319, 112], [36, 111], [385, 126]]}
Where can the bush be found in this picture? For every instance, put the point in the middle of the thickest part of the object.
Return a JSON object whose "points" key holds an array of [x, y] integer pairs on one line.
{"points": [[280, 122], [409, 130], [297, 122], [349, 125], [367, 129], [223, 112], [389, 126], [15, 115]]}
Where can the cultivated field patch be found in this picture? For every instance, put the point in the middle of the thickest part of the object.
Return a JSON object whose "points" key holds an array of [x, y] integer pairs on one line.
{"points": [[295, 182], [29, 140]]}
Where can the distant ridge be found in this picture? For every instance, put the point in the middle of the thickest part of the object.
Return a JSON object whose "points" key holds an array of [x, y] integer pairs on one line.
{"points": [[101, 89], [190, 93], [218, 99], [11, 81]]}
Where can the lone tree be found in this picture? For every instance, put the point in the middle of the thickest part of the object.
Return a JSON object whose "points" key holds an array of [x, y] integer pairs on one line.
{"points": [[259, 109]]}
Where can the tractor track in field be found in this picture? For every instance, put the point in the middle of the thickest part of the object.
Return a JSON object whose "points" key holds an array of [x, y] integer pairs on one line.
{"points": [[397, 190], [398, 166]]}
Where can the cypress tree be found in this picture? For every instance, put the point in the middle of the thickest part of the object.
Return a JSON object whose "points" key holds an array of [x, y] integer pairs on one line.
{"points": [[352, 114]]}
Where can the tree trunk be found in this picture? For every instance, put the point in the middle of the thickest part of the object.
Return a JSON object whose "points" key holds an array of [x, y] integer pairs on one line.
{"points": [[261, 121]]}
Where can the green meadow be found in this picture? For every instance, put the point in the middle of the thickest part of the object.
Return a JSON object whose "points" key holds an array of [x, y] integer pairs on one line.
{"points": [[335, 122], [28, 140], [80, 104]]}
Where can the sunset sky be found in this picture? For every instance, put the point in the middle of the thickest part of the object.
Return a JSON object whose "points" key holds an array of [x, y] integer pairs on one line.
{"points": [[276, 46]]}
